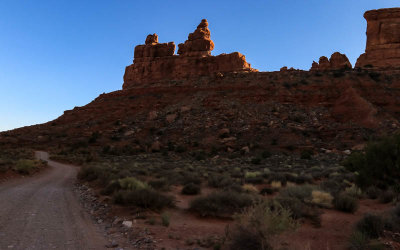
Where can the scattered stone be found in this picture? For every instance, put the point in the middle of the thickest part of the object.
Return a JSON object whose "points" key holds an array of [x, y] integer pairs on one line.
{"points": [[112, 244], [127, 223]]}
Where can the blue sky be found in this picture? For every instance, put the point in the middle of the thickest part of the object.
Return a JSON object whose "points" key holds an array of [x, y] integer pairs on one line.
{"points": [[55, 55]]}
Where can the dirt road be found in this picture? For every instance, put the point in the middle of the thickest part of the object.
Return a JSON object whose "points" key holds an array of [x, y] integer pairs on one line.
{"points": [[42, 212]]}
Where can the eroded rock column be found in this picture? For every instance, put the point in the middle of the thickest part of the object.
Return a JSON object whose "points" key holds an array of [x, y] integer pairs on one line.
{"points": [[383, 39]]}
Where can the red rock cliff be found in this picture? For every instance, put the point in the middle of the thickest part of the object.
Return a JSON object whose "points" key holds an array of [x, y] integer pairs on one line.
{"points": [[383, 39], [155, 62]]}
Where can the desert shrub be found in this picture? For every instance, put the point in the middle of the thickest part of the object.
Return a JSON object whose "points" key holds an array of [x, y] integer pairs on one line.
{"points": [[254, 177], [131, 183], [219, 181], [268, 190], [89, 173], [300, 210], [379, 165], [180, 149], [191, 178], [301, 179], [371, 225], [254, 228], [159, 184], [354, 191], [165, 219], [111, 188], [234, 187], [387, 196], [25, 167], [332, 186], [221, 204], [396, 211], [248, 188], [306, 154], [145, 198], [5, 165], [191, 189], [266, 154], [293, 204], [266, 172], [278, 177], [346, 203], [256, 160], [392, 221], [372, 192], [302, 193], [321, 198], [358, 241]]}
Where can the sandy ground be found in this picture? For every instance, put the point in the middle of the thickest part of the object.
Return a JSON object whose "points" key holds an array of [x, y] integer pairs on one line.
{"points": [[42, 212]]}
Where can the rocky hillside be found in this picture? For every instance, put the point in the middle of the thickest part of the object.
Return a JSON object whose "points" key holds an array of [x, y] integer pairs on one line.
{"points": [[235, 112]]}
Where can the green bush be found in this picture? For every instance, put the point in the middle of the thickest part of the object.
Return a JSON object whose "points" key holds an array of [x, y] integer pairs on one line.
{"points": [[191, 189], [221, 204], [373, 192], [358, 241], [219, 181], [111, 188], [144, 198], [371, 225], [89, 173], [346, 203], [254, 177], [303, 193], [159, 184], [300, 210], [254, 228], [165, 219], [379, 165], [25, 167], [387, 196], [131, 183]]}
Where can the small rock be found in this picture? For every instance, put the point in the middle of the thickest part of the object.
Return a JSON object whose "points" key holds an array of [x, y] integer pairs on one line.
{"points": [[127, 224], [223, 132], [347, 152], [112, 244], [170, 118], [246, 149]]}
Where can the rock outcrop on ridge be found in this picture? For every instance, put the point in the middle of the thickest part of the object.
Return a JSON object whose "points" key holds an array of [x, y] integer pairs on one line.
{"points": [[336, 62], [383, 39], [154, 62]]}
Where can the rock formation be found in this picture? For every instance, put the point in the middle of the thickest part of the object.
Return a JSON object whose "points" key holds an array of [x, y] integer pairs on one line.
{"points": [[383, 39], [155, 62], [198, 43], [336, 62]]}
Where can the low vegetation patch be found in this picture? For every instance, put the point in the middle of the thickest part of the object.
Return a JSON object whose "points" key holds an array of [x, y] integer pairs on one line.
{"points": [[346, 203], [221, 204], [379, 165], [255, 227], [145, 198], [191, 189]]}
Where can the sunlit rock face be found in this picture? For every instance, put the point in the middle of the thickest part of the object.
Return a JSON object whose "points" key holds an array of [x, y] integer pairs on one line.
{"points": [[383, 39], [337, 61], [155, 62]]}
